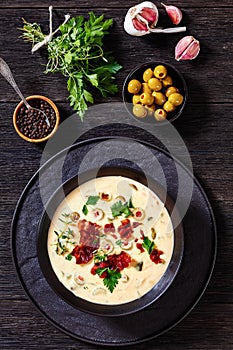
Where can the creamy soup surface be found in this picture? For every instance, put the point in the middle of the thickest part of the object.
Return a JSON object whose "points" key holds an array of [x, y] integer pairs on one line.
{"points": [[110, 240]]}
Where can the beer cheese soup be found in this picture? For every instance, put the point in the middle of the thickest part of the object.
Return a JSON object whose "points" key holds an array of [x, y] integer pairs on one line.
{"points": [[110, 240]]}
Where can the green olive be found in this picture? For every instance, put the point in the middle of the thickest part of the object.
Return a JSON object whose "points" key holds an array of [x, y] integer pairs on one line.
{"points": [[167, 81], [171, 90], [176, 99], [155, 84], [160, 72], [148, 74], [160, 114], [150, 110], [146, 99], [139, 111], [74, 216], [160, 98], [169, 107], [136, 99], [134, 86], [146, 88]]}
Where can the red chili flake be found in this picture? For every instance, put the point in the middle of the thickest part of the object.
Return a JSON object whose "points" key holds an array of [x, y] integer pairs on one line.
{"points": [[109, 228], [140, 247], [155, 256], [136, 239], [83, 254], [89, 233]]}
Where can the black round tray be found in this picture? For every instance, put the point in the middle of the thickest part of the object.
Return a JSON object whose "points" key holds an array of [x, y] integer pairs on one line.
{"points": [[178, 300]]}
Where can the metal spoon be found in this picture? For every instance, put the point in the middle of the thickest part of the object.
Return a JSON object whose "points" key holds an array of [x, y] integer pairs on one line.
{"points": [[7, 74]]}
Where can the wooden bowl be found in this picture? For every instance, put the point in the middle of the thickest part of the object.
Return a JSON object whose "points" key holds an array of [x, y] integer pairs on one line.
{"points": [[54, 107]]}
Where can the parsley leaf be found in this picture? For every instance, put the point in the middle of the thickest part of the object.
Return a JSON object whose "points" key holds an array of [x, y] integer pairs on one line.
{"points": [[119, 242], [148, 244], [92, 200], [120, 208], [117, 208], [111, 280], [130, 204], [99, 257], [85, 210], [69, 257]]}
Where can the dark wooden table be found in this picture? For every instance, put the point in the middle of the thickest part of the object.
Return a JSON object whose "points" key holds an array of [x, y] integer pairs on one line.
{"points": [[205, 126]]}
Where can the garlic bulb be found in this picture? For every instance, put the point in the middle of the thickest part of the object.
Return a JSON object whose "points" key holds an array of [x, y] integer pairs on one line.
{"points": [[187, 48], [140, 18], [174, 13]]}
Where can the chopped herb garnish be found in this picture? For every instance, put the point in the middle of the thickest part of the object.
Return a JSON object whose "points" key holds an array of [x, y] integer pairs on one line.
{"points": [[119, 242], [63, 238], [85, 210], [92, 200], [99, 256], [120, 208], [130, 204], [111, 280], [69, 257], [148, 244], [65, 221], [66, 215]]}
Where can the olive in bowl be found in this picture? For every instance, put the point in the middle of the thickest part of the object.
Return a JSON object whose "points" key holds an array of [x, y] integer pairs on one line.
{"points": [[31, 124], [155, 92]]}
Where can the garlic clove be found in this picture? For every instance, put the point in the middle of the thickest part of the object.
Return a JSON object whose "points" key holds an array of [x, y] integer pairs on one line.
{"points": [[174, 13], [139, 25], [187, 48], [140, 18], [149, 14]]}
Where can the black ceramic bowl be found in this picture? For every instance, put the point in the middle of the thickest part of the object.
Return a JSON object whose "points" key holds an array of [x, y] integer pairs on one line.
{"points": [[98, 309], [178, 81]]}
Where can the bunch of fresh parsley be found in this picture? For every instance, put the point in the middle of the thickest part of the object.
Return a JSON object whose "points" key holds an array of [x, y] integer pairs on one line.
{"points": [[79, 55]]}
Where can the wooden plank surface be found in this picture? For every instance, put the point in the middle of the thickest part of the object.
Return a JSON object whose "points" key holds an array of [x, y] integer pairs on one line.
{"points": [[206, 127], [216, 54], [67, 4]]}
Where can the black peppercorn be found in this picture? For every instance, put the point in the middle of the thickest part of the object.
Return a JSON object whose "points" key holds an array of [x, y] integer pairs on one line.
{"points": [[32, 123]]}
